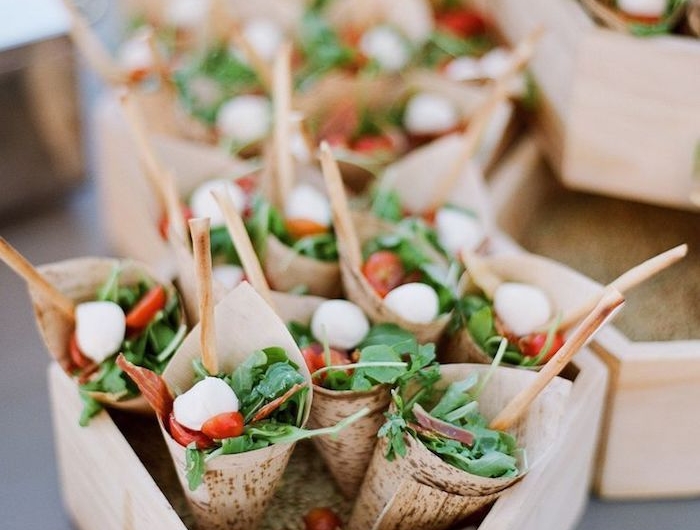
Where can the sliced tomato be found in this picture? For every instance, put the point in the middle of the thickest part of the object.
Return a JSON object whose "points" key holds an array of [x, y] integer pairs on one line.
{"points": [[299, 228], [316, 359], [372, 143], [164, 224], [145, 309], [225, 425], [77, 357], [531, 345], [322, 519], [384, 271], [462, 23], [185, 436], [247, 183]]}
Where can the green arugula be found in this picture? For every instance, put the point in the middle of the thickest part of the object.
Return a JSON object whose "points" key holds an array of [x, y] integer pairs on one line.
{"points": [[443, 46]]}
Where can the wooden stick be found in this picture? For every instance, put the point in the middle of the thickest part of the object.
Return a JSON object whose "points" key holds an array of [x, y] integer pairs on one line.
{"points": [[260, 66], [481, 119], [161, 180], [92, 48], [244, 247], [160, 63], [201, 248], [33, 277], [512, 412], [282, 104], [342, 220], [627, 281]]}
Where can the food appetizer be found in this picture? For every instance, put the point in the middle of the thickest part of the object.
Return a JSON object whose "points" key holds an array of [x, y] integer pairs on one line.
{"points": [[90, 309], [638, 17]]}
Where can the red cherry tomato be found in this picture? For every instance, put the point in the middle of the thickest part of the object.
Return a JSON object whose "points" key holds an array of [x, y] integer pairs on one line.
{"points": [[316, 359], [322, 519], [372, 143], [461, 22], [145, 309], [299, 228], [77, 357], [164, 225], [384, 271], [247, 183], [225, 425], [185, 436], [532, 345]]}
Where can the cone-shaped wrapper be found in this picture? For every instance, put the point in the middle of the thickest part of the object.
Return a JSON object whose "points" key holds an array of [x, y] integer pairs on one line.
{"points": [[442, 494], [80, 280], [236, 488], [615, 19]]}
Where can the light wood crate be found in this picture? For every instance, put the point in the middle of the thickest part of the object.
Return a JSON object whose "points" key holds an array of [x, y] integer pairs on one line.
{"points": [[648, 443], [617, 115]]}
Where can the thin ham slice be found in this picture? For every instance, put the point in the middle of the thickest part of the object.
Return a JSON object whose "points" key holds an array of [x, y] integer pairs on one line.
{"points": [[442, 427], [152, 387]]}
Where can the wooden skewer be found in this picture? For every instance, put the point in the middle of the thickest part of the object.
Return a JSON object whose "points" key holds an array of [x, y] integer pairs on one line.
{"points": [[260, 65], [627, 281], [478, 124], [33, 277], [244, 247], [342, 220], [161, 180], [282, 103], [160, 63], [512, 412], [201, 248], [92, 48]]}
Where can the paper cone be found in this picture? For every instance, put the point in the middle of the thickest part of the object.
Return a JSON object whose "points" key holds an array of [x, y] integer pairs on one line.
{"points": [[617, 20], [440, 493], [80, 279], [565, 288], [236, 488]]}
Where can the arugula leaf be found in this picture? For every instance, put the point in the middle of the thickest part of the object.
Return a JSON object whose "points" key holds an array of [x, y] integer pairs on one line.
{"points": [[244, 377], [195, 466], [386, 204], [91, 407], [369, 376]]}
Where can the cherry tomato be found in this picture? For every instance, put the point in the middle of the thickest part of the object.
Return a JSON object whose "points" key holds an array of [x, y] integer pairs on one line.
{"points": [[322, 519], [77, 357], [461, 22], [372, 143], [531, 345], [413, 277], [299, 228], [164, 225], [384, 271], [316, 359], [145, 309], [247, 183], [225, 425], [185, 436]]}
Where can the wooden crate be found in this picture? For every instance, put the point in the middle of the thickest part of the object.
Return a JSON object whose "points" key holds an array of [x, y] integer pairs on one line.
{"points": [[618, 114], [106, 484], [648, 445]]}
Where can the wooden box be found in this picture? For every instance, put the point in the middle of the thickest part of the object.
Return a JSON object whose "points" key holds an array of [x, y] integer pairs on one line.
{"points": [[648, 444], [618, 114], [110, 482]]}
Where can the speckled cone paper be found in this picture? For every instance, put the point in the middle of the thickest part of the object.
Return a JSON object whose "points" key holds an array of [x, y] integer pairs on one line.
{"points": [[565, 288], [80, 279], [421, 491], [236, 488]]}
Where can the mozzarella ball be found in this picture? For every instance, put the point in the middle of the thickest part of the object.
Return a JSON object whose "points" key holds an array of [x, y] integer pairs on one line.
{"points": [[496, 63], [264, 36], [203, 204], [430, 114], [457, 230], [305, 202], [245, 119], [415, 302], [643, 8], [464, 69], [521, 307], [99, 329], [385, 46], [135, 55], [186, 14], [341, 323], [207, 398], [228, 275]]}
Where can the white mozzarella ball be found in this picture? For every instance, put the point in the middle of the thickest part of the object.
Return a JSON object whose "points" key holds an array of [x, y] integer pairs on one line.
{"points": [[135, 55], [207, 398], [495, 63], [386, 46], [245, 119], [228, 275], [99, 329], [305, 202], [186, 13], [203, 204], [458, 231], [521, 307], [430, 114], [415, 302], [341, 323], [264, 36], [464, 69], [643, 8]]}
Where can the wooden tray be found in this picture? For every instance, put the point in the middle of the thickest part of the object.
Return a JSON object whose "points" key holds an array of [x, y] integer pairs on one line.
{"points": [[618, 114], [649, 438]]}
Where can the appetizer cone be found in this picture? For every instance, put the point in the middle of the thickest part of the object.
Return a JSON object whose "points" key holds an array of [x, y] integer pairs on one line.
{"points": [[421, 490], [614, 17]]}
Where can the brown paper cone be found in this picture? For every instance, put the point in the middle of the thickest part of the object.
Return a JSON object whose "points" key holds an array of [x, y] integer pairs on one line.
{"points": [[605, 11], [442, 494], [236, 488], [80, 279]]}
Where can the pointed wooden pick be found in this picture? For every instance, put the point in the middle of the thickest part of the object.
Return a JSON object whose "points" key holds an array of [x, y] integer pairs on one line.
{"points": [[244, 247], [345, 232], [481, 119], [33, 277], [282, 105], [201, 248], [257, 62], [611, 300]]}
